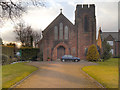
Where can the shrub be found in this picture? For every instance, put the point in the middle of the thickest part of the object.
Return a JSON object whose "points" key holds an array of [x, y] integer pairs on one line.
{"points": [[4, 59], [92, 54]]}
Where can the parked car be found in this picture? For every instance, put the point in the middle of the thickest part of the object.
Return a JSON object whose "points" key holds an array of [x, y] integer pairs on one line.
{"points": [[69, 58]]}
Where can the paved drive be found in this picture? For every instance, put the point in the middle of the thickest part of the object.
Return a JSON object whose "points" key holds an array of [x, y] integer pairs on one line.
{"points": [[59, 75]]}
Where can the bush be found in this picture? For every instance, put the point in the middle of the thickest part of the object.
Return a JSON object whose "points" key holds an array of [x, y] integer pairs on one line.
{"points": [[5, 59], [92, 54]]}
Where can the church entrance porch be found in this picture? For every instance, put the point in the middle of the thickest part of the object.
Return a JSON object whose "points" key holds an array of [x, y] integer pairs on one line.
{"points": [[60, 52]]}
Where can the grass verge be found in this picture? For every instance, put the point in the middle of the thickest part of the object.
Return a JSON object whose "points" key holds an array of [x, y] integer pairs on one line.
{"points": [[105, 73], [13, 73]]}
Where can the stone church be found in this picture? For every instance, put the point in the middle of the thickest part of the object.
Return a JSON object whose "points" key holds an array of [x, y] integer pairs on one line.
{"points": [[61, 37]]}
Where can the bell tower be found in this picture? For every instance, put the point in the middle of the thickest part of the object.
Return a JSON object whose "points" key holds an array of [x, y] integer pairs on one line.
{"points": [[85, 25]]}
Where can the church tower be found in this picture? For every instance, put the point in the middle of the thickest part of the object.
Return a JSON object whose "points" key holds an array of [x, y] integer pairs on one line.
{"points": [[85, 25]]}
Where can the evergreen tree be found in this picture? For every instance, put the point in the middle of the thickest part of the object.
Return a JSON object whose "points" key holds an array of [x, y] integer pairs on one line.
{"points": [[106, 54], [92, 54]]}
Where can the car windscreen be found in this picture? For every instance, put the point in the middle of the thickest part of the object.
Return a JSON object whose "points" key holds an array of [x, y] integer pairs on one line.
{"points": [[65, 56], [70, 56]]}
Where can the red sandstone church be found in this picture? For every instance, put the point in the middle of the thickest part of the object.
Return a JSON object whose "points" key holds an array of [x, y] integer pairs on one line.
{"points": [[63, 37]]}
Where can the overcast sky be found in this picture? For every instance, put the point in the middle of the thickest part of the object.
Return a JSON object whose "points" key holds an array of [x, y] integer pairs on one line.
{"points": [[40, 18]]}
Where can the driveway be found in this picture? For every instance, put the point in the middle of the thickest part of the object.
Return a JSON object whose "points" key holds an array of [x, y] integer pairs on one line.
{"points": [[56, 74]]}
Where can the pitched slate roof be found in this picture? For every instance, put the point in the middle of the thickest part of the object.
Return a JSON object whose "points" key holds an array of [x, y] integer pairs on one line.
{"points": [[113, 34]]}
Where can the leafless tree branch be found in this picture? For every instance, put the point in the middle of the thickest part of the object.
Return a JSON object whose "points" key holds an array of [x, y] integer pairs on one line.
{"points": [[24, 34], [12, 9]]}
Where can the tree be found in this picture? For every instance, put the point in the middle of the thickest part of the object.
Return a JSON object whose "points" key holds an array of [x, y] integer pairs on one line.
{"points": [[31, 41], [36, 37], [28, 36], [92, 54], [19, 30], [106, 54], [24, 34], [12, 8]]}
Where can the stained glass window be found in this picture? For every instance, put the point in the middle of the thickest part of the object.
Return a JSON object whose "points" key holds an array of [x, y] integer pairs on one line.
{"points": [[61, 31], [56, 33], [66, 32]]}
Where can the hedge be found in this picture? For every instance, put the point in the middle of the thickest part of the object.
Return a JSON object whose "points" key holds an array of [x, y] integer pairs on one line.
{"points": [[28, 53], [7, 54], [8, 50]]}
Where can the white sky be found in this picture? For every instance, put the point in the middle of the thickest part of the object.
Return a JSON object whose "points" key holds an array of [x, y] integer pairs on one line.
{"points": [[40, 18]]}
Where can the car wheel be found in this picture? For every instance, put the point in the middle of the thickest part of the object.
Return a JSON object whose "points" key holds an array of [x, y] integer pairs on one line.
{"points": [[63, 60], [76, 60]]}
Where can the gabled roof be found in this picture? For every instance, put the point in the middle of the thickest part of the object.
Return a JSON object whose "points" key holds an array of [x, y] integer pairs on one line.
{"points": [[113, 34], [59, 17]]}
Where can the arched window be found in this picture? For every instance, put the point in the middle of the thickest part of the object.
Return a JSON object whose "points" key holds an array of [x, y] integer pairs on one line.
{"points": [[66, 33], [56, 33], [86, 50], [86, 24], [61, 31]]}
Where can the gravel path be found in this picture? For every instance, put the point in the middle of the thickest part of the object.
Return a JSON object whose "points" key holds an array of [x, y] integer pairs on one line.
{"points": [[56, 74]]}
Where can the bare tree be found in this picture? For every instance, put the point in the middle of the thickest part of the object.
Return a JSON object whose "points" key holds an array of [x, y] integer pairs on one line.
{"points": [[10, 8], [19, 30], [36, 37], [28, 36], [24, 34]]}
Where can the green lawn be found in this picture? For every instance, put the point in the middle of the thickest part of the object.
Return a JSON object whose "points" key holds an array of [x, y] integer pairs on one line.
{"points": [[105, 73], [13, 73]]}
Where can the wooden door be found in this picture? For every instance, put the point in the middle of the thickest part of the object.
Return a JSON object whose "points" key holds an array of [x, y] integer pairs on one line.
{"points": [[60, 52]]}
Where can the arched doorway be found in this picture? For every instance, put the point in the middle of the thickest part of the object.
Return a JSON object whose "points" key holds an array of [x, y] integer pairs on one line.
{"points": [[60, 52], [55, 51]]}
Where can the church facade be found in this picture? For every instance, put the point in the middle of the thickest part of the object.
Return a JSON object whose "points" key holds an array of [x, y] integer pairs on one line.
{"points": [[62, 37]]}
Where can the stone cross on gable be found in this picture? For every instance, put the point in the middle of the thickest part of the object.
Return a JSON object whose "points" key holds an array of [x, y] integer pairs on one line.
{"points": [[60, 10]]}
